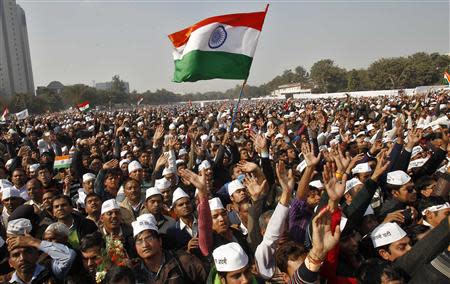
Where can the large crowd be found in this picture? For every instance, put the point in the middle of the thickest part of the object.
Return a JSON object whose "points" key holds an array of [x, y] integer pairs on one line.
{"points": [[352, 190]]}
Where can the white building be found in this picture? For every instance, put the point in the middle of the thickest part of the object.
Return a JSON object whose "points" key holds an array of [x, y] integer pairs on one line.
{"points": [[16, 75], [108, 86], [290, 90]]}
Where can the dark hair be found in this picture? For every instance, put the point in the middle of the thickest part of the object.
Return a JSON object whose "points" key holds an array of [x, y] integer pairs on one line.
{"points": [[112, 172], [423, 182], [91, 241], [62, 196], [430, 201], [39, 183], [93, 194], [264, 218], [372, 271], [43, 167], [413, 231], [288, 251], [128, 181], [119, 274]]}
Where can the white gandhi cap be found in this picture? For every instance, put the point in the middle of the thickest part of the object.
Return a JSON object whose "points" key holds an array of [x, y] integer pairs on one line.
{"points": [[215, 204], [142, 225], [386, 233], [398, 178], [234, 185], [229, 257], [109, 205], [178, 194]]}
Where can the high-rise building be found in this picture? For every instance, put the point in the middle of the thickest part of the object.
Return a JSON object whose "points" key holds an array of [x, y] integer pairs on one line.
{"points": [[16, 75]]}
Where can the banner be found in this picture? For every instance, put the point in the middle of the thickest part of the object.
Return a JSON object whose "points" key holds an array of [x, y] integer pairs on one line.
{"points": [[22, 114]]}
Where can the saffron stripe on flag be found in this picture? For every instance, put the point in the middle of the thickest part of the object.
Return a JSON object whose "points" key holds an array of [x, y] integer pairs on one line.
{"points": [[252, 20], [62, 162]]}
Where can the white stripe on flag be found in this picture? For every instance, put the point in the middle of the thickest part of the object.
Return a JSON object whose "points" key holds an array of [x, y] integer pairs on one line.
{"points": [[240, 40]]}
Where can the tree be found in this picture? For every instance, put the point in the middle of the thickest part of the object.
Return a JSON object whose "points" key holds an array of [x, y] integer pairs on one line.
{"points": [[388, 73], [327, 77], [118, 85], [357, 80]]}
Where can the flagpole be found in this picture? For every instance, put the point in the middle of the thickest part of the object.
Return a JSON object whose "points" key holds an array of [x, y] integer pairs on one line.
{"points": [[237, 106]]}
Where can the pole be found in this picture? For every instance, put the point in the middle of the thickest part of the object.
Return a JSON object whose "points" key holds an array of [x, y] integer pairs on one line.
{"points": [[237, 106]]}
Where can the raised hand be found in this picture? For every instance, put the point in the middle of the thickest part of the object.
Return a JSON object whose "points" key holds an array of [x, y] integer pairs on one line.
{"points": [[285, 177], [196, 180], [310, 158], [382, 165], [111, 164], [414, 136], [247, 167], [334, 188], [159, 133], [162, 161], [354, 161], [271, 130], [323, 239], [171, 142], [255, 189]]}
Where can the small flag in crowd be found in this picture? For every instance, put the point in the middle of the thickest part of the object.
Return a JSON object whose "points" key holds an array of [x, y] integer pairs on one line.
{"points": [[140, 100], [22, 114], [83, 106], [5, 114], [447, 77], [217, 47], [62, 162], [287, 104]]}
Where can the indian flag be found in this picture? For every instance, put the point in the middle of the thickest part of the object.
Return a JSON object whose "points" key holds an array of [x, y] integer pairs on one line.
{"points": [[217, 47], [447, 77], [83, 106], [62, 162]]}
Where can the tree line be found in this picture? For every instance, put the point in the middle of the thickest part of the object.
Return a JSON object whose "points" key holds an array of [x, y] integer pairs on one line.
{"points": [[325, 76]]}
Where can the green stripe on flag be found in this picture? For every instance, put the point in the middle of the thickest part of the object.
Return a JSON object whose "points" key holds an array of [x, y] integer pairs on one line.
{"points": [[203, 65]]}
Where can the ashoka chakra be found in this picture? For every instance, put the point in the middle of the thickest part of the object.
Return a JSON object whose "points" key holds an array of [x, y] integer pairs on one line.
{"points": [[218, 37]]}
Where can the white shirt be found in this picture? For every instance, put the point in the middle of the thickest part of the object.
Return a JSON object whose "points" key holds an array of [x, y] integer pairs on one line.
{"points": [[193, 232]]}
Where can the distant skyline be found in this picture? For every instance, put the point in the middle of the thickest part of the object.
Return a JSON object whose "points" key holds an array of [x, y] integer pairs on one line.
{"points": [[85, 41]]}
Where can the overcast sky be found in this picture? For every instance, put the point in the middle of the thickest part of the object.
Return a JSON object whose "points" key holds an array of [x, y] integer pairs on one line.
{"points": [[86, 41]]}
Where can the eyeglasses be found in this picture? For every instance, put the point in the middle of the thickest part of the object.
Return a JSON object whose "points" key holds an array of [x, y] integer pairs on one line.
{"points": [[146, 239]]}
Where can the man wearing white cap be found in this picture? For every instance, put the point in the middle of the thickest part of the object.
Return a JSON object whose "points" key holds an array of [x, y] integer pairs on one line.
{"points": [[11, 199], [390, 240], [88, 182], [164, 186], [24, 255], [113, 227], [156, 265], [154, 206], [232, 265], [134, 203], [434, 209], [402, 192], [135, 171], [362, 171], [185, 229], [393, 244]]}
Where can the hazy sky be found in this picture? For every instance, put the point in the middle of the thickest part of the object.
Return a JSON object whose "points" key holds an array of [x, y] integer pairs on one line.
{"points": [[85, 41]]}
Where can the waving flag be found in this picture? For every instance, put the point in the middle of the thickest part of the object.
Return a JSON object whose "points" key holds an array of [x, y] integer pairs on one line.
{"points": [[217, 47], [5, 114], [447, 77], [83, 106], [140, 100]]}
